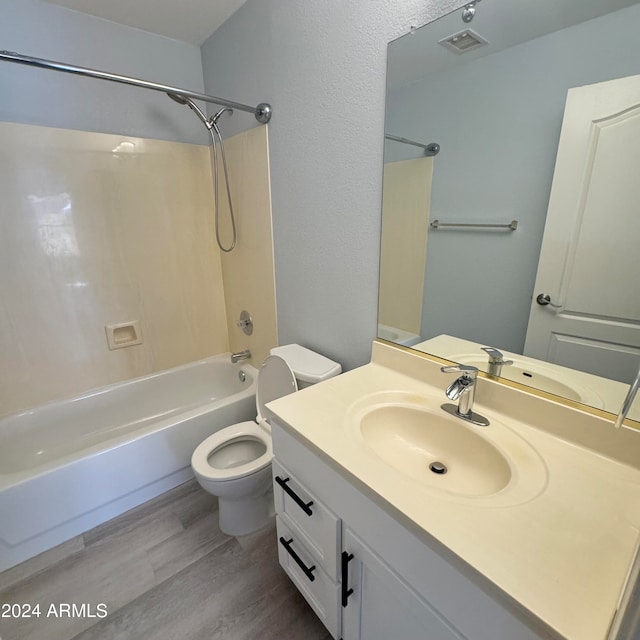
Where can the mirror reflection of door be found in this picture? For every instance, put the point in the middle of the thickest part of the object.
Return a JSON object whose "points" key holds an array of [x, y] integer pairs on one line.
{"points": [[590, 263]]}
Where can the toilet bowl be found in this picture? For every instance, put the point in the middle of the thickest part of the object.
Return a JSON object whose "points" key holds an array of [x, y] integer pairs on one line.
{"points": [[235, 462]]}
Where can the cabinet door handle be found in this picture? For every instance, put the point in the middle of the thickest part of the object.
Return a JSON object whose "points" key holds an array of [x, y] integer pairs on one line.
{"points": [[306, 570], [346, 592], [294, 496]]}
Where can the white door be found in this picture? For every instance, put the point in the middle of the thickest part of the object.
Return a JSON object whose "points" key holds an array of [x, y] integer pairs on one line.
{"points": [[589, 269], [380, 606]]}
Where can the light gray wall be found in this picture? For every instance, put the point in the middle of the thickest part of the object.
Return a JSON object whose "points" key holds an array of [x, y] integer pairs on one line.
{"points": [[321, 64], [498, 121], [49, 98]]}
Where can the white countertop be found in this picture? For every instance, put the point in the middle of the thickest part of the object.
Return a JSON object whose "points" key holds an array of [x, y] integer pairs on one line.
{"points": [[564, 555]]}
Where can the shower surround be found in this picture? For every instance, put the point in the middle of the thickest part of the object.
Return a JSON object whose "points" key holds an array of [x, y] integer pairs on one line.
{"points": [[99, 229]]}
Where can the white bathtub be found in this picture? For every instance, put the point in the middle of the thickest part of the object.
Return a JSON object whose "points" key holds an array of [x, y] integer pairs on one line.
{"points": [[67, 466]]}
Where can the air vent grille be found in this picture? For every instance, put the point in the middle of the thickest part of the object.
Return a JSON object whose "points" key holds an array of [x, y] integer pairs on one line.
{"points": [[463, 41]]}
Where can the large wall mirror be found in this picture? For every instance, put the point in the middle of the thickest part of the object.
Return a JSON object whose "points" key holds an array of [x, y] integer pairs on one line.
{"points": [[511, 197]]}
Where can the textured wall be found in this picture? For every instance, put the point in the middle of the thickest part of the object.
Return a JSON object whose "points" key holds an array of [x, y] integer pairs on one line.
{"points": [[322, 65], [53, 99]]}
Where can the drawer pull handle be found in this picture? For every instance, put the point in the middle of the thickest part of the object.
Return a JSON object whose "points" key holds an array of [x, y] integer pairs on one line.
{"points": [[346, 592], [294, 496], [306, 570]]}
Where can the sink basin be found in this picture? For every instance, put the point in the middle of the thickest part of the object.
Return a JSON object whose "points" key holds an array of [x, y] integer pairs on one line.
{"points": [[411, 437]]}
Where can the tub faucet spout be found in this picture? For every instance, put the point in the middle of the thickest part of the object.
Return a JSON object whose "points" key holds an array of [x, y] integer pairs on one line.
{"points": [[240, 355]]}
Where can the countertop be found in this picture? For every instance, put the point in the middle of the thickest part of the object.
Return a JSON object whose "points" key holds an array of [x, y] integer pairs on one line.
{"points": [[564, 555]]}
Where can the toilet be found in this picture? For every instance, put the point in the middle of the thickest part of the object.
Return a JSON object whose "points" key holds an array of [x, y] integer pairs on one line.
{"points": [[235, 462]]}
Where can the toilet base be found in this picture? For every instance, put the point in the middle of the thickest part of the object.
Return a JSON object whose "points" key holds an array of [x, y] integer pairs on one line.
{"points": [[246, 515]]}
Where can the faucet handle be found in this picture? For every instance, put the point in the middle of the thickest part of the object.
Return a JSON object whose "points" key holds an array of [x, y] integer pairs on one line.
{"points": [[496, 357], [494, 354], [466, 369]]}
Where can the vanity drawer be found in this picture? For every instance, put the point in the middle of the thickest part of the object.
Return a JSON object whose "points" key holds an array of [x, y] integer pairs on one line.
{"points": [[318, 589], [317, 526]]}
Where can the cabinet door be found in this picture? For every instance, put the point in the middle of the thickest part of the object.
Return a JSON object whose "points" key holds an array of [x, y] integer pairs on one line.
{"points": [[381, 606]]}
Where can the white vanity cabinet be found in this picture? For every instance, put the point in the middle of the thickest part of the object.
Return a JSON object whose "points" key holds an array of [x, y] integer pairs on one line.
{"points": [[392, 583], [351, 589]]}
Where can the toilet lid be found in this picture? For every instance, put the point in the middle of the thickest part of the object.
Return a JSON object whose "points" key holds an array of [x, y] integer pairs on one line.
{"points": [[275, 380]]}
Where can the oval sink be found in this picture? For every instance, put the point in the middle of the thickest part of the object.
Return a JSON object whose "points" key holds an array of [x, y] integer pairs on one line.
{"points": [[410, 436], [411, 439]]}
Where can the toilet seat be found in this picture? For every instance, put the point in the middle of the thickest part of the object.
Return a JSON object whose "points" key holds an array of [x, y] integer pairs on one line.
{"points": [[275, 380], [226, 437]]}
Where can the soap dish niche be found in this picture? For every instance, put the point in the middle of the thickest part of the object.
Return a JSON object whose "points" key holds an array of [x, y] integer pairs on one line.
{"points": [[124, 334]]}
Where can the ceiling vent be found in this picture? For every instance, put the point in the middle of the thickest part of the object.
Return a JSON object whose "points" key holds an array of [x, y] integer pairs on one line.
{"points": [[463, 41]]}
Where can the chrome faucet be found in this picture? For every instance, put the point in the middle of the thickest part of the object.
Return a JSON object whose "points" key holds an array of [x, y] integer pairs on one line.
{"points": [[496, 361], [628, 401], [240, 355], [463, 389]]}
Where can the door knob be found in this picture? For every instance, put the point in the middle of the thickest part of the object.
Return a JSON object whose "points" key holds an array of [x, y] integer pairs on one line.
{"points": [[544, 299]]}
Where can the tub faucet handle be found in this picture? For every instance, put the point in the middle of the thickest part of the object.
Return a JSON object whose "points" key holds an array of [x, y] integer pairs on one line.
{"points": [[245, 323]]}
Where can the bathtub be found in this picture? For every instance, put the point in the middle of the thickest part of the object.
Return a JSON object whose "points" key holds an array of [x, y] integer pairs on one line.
{"points": [[70, 465]]}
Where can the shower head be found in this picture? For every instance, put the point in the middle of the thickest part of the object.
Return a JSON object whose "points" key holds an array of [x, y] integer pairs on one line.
{"points": [[212, 126], [193, 106], [177, 98]]}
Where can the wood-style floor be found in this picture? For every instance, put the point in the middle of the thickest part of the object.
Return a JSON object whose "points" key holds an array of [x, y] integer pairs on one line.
{"points": [[165, 571]]}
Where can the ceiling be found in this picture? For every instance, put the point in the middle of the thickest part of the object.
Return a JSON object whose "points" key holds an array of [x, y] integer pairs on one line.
{"points": [[191, 21], [504, 23]]}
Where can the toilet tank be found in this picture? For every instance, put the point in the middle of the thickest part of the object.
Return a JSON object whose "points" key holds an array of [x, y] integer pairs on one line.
{"points": [[308, 366]]}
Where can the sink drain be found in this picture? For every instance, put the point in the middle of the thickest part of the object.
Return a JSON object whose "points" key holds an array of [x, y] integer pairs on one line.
{"points": [[438, 467]]}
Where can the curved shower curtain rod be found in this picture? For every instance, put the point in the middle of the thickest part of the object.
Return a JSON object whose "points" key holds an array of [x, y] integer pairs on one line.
{"points": [[431, 149], [262, 112]]}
